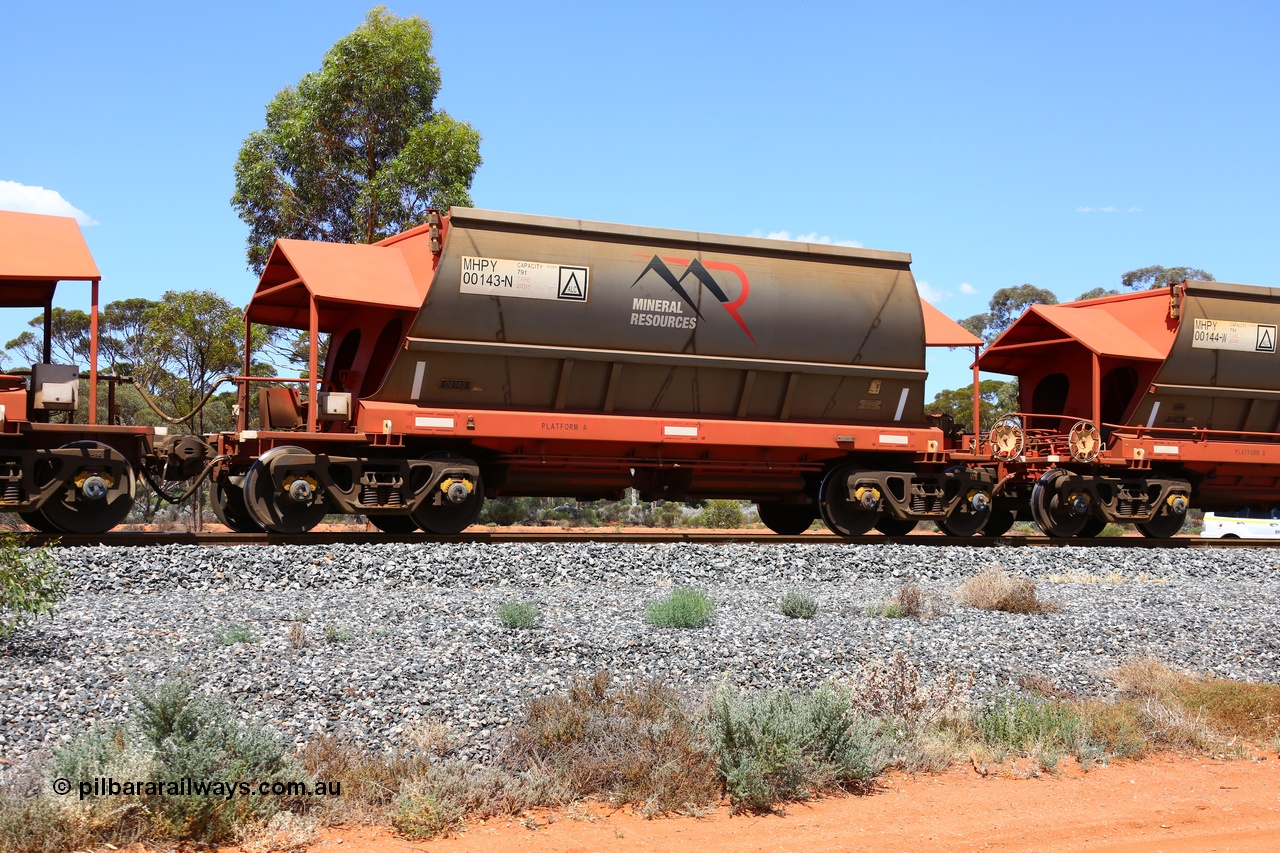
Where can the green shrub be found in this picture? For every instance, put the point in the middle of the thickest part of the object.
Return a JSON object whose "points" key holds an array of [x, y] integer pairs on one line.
{"points": [[666, 514], [229, 635], [799, 605], [334, 634], [31, 583], [198, 737], [777, 747], [720, 515], [1021, 725], [685, 607], [174, 735], [517, 615], [505, 512], [421, 812]]}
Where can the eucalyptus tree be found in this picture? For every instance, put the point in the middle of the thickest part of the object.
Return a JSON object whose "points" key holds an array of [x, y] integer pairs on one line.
{"points": [[356, 151]]}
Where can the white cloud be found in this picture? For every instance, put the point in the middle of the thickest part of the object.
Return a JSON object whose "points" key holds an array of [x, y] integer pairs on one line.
{"points": [[811, 237], [928, 291], [967, 289], [25, 199], [1110, 208]]}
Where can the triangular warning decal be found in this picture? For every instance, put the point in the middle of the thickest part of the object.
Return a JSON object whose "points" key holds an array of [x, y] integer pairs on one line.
{"points": [[573, 284], [1266, 339]]}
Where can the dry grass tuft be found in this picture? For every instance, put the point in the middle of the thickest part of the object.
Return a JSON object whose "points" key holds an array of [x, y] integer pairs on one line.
{"points": [[895, 689], [1110, 578], [633, 745], [1232, 708], [286, 831], [994, 589]]}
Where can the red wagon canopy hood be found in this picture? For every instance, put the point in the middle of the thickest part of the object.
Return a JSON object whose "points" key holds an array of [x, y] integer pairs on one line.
{"points": [[338, 276]]}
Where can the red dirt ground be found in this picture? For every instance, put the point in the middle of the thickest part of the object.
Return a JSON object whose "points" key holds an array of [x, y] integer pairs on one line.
{"points": [[1173, 804]]}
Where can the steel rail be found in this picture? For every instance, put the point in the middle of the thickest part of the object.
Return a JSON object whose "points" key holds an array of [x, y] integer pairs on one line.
{"points": [[497, 537]]}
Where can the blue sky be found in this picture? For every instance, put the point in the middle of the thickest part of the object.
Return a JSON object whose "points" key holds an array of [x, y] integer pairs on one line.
{"points": [[1056, 144]]}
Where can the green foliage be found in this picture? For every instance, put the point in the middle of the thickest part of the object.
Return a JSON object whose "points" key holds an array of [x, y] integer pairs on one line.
{"points": [[31, 584], [356, 151], [229, 635], [424, 812], [720, 515], [515, 615], [505, 512], [1149, 278], [69, 338], [665, 514], [197, 737], [1045, 729], [200, 336], [171, 348], [1006, 305], [777, 747], [685, 607], [174, 735], [1096, 293], [334, 634], [885, 610], [996, 398], [799, 605]]}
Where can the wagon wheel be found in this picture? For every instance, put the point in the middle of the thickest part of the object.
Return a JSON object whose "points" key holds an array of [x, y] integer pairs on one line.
{"points": [[999, 523], [1007, 439], [36, 520], [228, 505], [447, 516], [97, 496], [843, 516], [964, 520], [1085, 442], [786, 519], [1162, 526], [44, 472], [1092, 527], [397, 524], [1051, 507], [895, 526], [276, 511]]}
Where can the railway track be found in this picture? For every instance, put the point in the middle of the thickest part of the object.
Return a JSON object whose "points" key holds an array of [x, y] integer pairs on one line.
{"points": [[135, 539]]}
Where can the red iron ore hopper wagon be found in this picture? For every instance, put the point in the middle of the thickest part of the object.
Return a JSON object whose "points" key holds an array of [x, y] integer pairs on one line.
{"points": [[1136, 407], [500, 354]]}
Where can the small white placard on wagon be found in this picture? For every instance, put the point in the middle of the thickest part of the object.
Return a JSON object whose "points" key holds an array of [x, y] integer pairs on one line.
{"points": [[1233, 335], [525, 279]]}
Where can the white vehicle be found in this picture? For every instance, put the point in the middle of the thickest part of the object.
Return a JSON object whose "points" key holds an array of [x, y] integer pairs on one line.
{"points": [[1245, 524]]}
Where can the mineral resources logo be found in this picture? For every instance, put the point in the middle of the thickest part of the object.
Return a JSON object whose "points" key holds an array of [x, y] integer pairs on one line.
{"points": [[669, 313]]}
